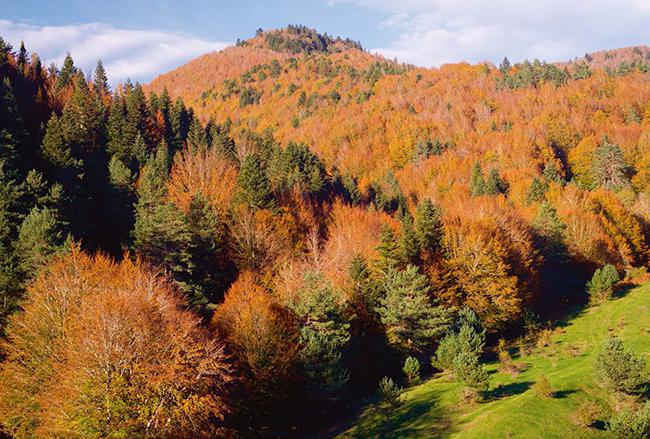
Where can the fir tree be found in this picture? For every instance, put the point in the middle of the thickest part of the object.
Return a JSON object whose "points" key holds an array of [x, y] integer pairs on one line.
{"points": [[100, 80], [477, 181], [495, 184], [253, 183], [409, 244], [68, 71], [428, 226], [390, 254]]}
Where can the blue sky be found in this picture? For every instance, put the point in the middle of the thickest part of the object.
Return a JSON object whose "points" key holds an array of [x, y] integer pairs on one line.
{"points": [[140, 39]]}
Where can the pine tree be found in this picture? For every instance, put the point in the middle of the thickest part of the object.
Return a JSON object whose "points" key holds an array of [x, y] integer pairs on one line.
{"points": [[428, 226], [116, 147], [137, 116], [413, 320], [610, 169], [619, 369], [39, 237], [324, 332], [477, 181], [601, 285], [548, 223], [254, 187]]}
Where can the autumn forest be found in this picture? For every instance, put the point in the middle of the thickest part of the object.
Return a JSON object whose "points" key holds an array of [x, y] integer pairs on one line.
{"points": [[269, 236]]}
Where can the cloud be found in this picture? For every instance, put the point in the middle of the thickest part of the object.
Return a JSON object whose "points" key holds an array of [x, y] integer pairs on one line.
{"points": [[433, 32], [126, 53]]}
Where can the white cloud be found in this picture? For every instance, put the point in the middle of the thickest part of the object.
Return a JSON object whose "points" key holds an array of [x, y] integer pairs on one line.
{"points": [[433, 32], [126, 53]]}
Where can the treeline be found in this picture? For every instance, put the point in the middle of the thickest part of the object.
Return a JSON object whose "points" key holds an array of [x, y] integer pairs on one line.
{"points": [[164, 277]]}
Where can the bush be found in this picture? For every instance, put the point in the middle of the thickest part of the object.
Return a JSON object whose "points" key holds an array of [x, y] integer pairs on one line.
{"points": [[542, 387], [412, 370], [470, 338], [619, 369], [631, 424], [601, 285], [587, 413]]}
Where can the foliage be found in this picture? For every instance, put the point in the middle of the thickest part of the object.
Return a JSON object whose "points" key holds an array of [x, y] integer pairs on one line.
{"points": [[631, 424], [411, 370], [412, 318], [619, 369], [601, 285]]}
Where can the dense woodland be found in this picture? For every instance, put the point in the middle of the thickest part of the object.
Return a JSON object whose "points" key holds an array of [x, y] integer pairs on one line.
{"points": [[249, 244]]}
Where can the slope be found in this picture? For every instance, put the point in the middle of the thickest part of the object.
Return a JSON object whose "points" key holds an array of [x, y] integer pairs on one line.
{"points": [[512, 409]]}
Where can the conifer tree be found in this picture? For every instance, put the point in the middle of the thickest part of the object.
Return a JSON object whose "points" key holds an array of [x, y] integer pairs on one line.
{"points": [[100, 80], [390, 254], [409, 244], [477, 181], [428, 226], [68, 71], [610, 169], [536, 191], [619, 369], [413, 320], [495, 184], [254, 187]]}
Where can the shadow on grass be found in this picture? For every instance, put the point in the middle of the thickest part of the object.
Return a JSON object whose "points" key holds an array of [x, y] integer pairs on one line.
{"points": [[505, 390], [561, 394]]}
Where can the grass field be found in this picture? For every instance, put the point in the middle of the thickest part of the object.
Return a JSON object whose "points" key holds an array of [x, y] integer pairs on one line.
{"points": [[511, 408]]}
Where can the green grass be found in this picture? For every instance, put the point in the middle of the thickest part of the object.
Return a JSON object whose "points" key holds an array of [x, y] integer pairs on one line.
{"points": [[511, 408]]}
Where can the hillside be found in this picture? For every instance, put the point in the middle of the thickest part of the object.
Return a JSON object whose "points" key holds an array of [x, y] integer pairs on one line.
{"points": [[512, 409], [255, 242]]}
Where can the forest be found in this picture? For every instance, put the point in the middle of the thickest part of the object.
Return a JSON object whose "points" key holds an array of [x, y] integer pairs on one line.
{"points": [[253, 243]]}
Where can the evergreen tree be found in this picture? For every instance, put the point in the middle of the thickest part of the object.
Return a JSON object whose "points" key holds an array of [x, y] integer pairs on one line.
{"points": [[137, 117], [390, 254], [389, 398], [197, 138], [411, 370], [413, 320], [495, 184], [39, 237], [116, 146], [548, 224], [22, 57], [610, 169], [467, 337], [100, 81], [409, 244], [536, 191], [253, 183], [601, 285], [619, 369], [477, 181], [428, 226], [324, 332], [68, 71], [83, 118], [212, 271]]}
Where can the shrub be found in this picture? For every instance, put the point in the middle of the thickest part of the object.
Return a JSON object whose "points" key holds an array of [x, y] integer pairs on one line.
{"points": [[467, 395], [587, 413], [542, 387], [601, 285], [631, 424], [619, 369], [412, 370]]}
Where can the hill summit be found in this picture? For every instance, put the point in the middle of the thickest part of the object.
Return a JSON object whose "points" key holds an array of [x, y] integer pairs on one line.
{"points": [[299, 39]]}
